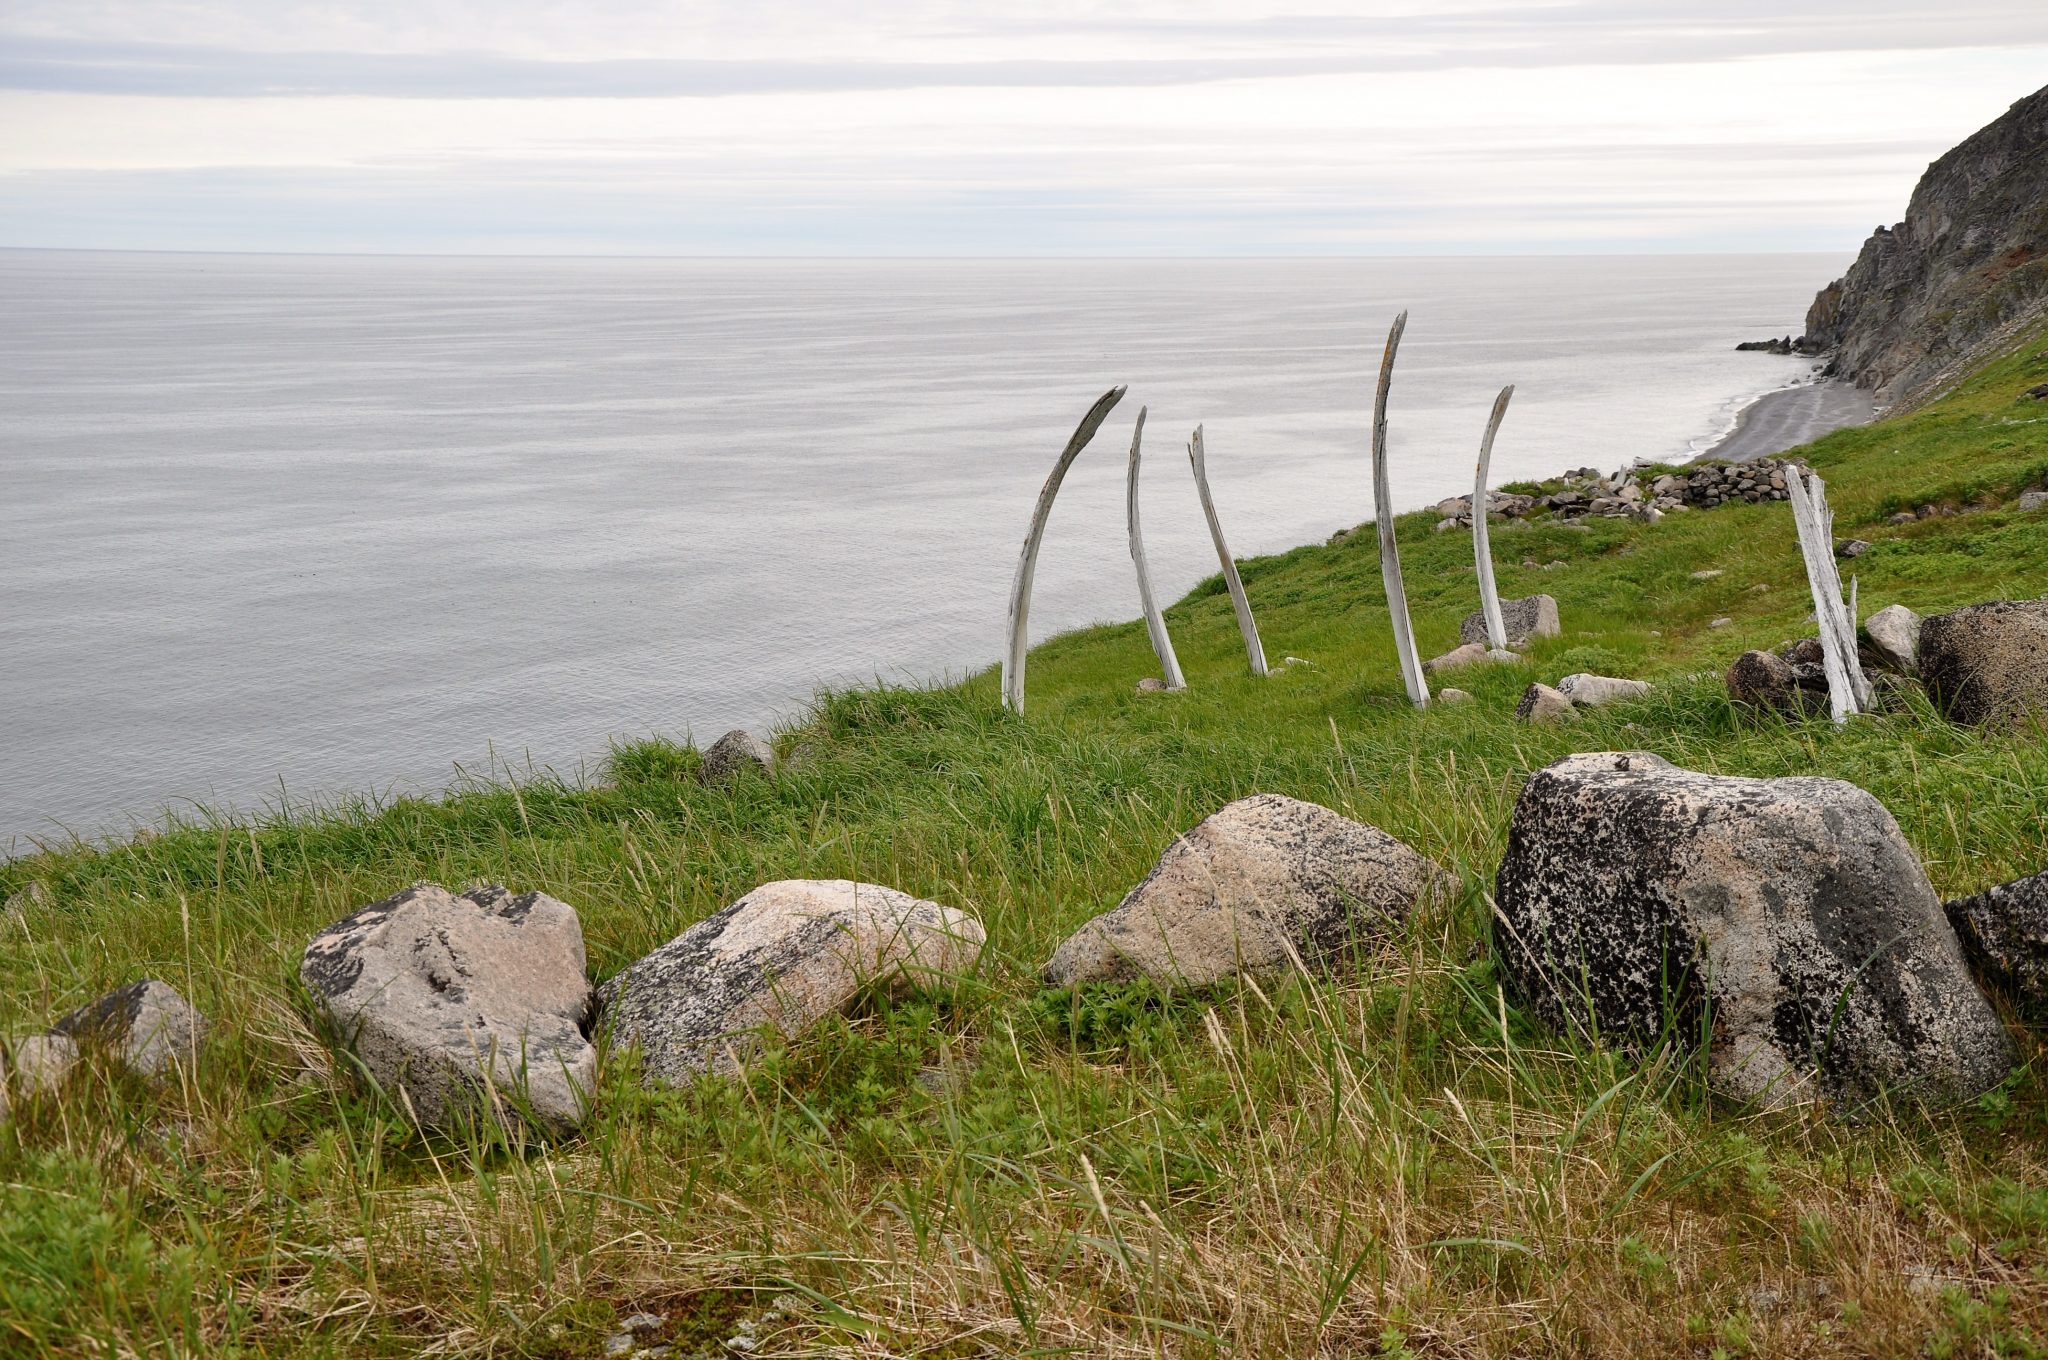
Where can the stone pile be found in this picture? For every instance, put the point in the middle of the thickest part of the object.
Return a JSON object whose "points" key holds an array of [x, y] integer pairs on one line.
{"points": [[1630, 494]]}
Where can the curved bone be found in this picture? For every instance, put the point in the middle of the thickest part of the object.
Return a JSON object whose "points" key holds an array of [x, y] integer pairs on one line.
{"points": [[1169, 664], [1482, 551], [1254, 653], [1027, 561], [1848, 688], [1383, 515]]}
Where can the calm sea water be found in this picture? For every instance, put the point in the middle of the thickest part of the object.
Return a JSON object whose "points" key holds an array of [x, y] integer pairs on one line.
{"points": [[285, 527]]}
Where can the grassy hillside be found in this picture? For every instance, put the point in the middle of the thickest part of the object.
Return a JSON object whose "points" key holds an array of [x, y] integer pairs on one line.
{"points": [[1394, 1161]]}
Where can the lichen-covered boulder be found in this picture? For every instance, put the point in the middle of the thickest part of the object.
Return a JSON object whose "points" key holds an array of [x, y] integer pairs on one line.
{"points": [[1988, 663], [460, 1006], [1786, 919], [1262, 876], [781, 958], [32, 1067], [737, 752], [1891, 638], [2004, 931], [1542, 704], [1767, 680], [146, 1026], [1532, 617], [1587, 690]]}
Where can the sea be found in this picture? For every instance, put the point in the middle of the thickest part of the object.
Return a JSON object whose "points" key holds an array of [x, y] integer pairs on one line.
{"points": [[276, 530]]}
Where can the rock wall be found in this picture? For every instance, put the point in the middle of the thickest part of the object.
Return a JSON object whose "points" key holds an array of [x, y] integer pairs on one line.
{"points": [[1929, 297]]}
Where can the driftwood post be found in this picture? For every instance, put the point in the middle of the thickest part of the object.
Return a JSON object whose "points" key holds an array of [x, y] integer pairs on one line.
{"points": [[1482, 551], [1383, 514], [1169, 664], [1848, 689], [1027, 561], [1254, 653]]}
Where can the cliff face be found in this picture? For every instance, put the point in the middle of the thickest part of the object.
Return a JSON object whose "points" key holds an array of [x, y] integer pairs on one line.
{"points": [[1929, 296]]}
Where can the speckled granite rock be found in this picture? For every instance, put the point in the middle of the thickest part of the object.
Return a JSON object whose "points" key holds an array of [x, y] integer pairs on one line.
{"points": [[733, 754], [147, 1025], [1262, 875], [1587, 690], [1988, 663], [33, 1066], [1637, 894], [1767, 680], [1542, 704], [2004, 931], [1532, 617], [782, 957], [442, 997], [1891, 637]]}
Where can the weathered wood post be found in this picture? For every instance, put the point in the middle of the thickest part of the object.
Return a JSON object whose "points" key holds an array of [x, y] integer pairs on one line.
{"points": [[1253, 651], [1383, 514], [1848, 688], [1482, 551], [1027, 561], [1169, 664]]}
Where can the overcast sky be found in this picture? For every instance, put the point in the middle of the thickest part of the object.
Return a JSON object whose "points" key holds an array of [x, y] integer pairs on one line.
{"points": [[817, 127]]}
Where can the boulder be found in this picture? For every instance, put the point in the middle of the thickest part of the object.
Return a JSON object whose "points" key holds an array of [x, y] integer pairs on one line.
{"points": [[1263, 876], [1989, 662], [1458, 656], [737, 752], [1854, 547], [1892, 638], [1448, 695], [1532, 617], [1587, 690], [31, 895], [2004, 931], [1766, 680], [146, 1026], [1542, 704], [781, 958], [448, 1002], [1787, 920], [2030, 501], [33, 1067]]}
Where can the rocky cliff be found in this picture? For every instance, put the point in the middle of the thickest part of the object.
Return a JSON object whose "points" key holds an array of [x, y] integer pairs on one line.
{"points": [[1929, 297]]}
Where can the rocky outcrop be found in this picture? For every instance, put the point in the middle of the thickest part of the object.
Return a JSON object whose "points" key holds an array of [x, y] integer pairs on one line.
{"points": [[1263, 878], [1533, 617], [1988, 663], [736, 753], [1928, 297], [781, 958], [1787, 920], [146, 1026], [2004, 931], [462, 1006]]}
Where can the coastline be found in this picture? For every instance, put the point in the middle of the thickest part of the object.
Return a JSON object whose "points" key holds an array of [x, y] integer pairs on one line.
{"points": [[1791, 416]]}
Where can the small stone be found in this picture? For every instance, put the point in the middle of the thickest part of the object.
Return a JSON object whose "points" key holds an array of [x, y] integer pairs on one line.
{"points": [[1587, 690], [31, 895], [1532, 617], [1987, 663], [1854, 547], [783, 957], [737, 751], [1444, 526], [2030, 501], [1259, 883], [146, 1025], [1466, 655], [1151, 684], [1893, 636], [31, 1067], [1542, 704], [1708, 574], [1450, 695], [1723, 622], [1903, 517]]}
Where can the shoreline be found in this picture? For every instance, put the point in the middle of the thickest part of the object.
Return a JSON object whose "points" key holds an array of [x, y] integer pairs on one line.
{"points": [[1789, 417]]}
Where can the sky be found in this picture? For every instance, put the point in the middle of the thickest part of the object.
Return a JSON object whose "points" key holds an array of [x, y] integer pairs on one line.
{"points": [[817, 127]]}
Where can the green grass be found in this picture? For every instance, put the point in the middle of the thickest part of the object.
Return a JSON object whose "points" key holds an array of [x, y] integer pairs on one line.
{"points": [[1391, 1161]]}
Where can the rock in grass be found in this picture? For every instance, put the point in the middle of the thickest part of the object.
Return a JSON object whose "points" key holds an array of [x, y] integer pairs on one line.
{"points": [[31, 895], [2004, 931], [781, 958], [1892, 637], [1767, 680], [2030, 501], [1787, 920], [1532, 617], [737, 752], [1587, 690], [1262, 876], [1987, 663], [1448, 695], [1542, 704], [33, 1067], [146, 1026], [458, 1005], [1470, 654]]}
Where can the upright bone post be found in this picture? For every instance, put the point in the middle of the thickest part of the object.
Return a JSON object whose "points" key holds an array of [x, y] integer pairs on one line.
{"points": [[1027, 561], [1254, 653], [1848, 689], [1383, 515], [1169, 664], [1482, 551]]}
